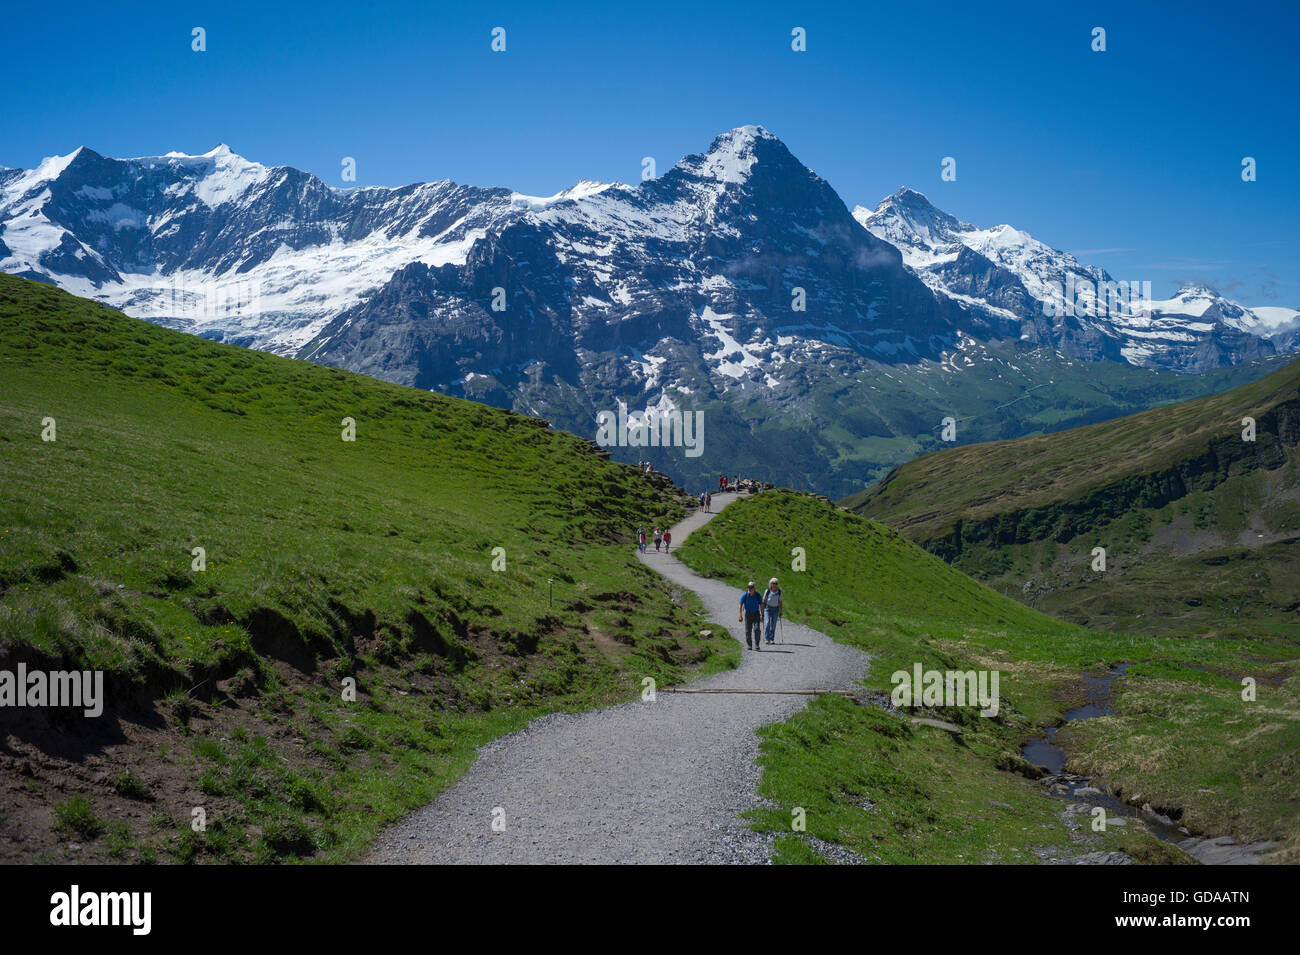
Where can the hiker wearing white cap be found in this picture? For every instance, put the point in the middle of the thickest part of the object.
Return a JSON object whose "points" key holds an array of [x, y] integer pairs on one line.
{"points": [[751, 612], [772, 601]]}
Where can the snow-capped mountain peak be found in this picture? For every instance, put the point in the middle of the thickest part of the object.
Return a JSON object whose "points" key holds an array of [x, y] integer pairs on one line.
{"points": [[579, 190], [222, 174], [49, 169], [1209, 307], [731, 157], [1189, 300], [909, 221], [917, 208]]}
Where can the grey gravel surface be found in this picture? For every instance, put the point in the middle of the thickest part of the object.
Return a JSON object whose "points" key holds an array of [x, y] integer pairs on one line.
{"points": [[639, 782]]}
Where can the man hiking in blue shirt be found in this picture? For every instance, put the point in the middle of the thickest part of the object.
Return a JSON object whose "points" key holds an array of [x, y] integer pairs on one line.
{"points": [[751, 612]]}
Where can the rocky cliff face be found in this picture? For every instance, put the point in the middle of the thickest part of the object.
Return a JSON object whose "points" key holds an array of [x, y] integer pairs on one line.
{"points": [[733, 263]]}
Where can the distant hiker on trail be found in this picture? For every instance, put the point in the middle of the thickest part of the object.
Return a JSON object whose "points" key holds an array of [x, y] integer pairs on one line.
{"points": [[708, 503], [668, 541], [658, 539], [751, 612], [772, 606], [701, 500], [640, 538]]}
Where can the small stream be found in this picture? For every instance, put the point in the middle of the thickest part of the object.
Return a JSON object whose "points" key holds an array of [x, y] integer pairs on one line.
{"points": [[1079, 789], [1044, 751]]}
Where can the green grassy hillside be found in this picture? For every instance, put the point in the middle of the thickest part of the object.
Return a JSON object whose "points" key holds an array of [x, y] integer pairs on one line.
{"points": [[1199, 525], [326, 559], [1181, 736], [373, 559]]}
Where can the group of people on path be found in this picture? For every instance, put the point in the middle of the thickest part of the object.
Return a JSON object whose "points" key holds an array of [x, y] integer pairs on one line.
{"points": [[661, 538], [760, 613], [737, 483]]}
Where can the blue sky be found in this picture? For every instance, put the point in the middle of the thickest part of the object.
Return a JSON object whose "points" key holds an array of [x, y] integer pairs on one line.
{"points": [[1130, 158]]}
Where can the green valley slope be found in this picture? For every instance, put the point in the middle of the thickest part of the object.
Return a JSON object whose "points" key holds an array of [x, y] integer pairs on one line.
{"points": [[419, 560], [1200, 527]]}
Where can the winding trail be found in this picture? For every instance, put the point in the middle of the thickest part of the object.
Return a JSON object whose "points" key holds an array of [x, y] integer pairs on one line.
{"points": [[638, 782]]}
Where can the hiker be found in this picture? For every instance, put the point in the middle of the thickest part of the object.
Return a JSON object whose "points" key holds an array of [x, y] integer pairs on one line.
{"points": [[659, 537], [772, 605], [701, 500], [668, 541], [708, 503], [640, 538], [751, 612]]}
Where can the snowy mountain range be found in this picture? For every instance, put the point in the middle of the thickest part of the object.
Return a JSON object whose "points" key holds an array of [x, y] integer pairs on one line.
{"points": [[1077, 309], [690, 280], [215, 244], [738, 280]]}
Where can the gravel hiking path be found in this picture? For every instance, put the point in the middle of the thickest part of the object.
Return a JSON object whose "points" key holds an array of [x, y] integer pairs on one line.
{"points": [[639, 782]]}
